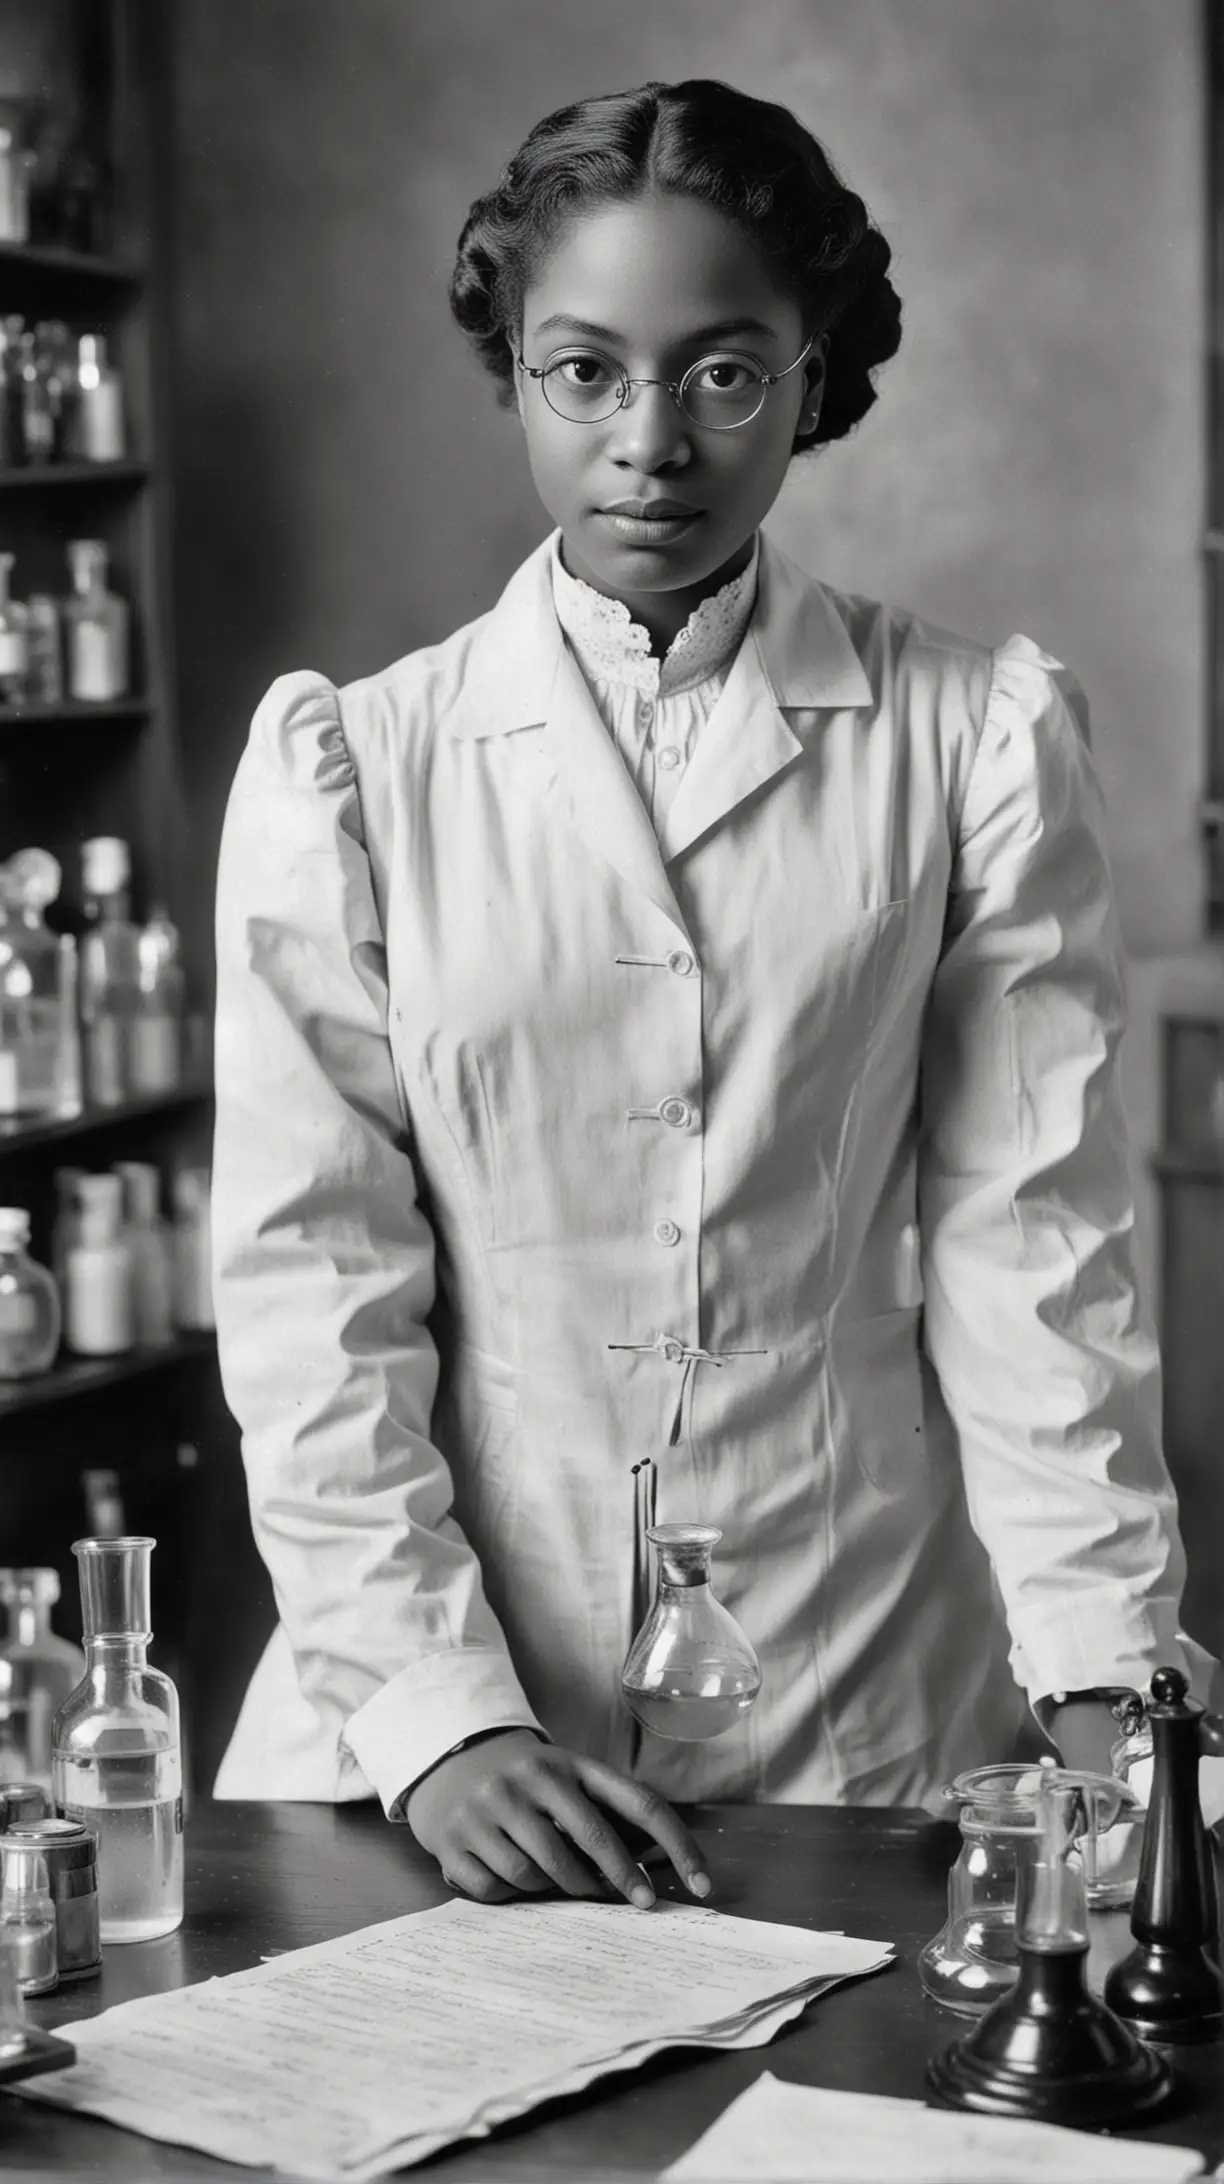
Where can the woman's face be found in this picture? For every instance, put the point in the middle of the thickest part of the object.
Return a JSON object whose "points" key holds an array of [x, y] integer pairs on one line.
{"points": [[656, 284]]}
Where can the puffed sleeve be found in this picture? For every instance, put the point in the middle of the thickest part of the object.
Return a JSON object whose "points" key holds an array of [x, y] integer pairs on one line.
{"points": [[1047, 1362], [324, 1276]]}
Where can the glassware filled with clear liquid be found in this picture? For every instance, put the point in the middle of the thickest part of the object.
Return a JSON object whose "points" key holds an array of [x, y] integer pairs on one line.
{"points": [[690, 1673], [117, 1750]]}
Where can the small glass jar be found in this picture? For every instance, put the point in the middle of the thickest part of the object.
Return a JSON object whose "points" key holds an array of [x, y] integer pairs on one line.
{"points": [[973, 1958], [27, 1916], [29, 1303]]}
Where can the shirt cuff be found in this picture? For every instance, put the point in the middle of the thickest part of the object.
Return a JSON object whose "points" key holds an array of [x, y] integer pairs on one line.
{"points": [[426, 1710], [1104, 1645]]}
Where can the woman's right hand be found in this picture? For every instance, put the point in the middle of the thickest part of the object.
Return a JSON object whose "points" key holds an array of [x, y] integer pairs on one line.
{"points": [[512, 1816]]}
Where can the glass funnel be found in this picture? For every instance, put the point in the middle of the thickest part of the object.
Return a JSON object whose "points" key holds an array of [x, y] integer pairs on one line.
{"points": [[972, 1960], [690, 1672], [117, 1757]]}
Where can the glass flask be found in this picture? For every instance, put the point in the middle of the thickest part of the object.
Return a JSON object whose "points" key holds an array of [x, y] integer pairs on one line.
{"points": [[972, 1960], [40, 1068], [690, 1672], [43, 1668], [117, 1751], [29, 1302]]}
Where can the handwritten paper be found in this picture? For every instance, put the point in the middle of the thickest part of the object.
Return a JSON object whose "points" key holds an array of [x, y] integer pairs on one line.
{"points": [[803, 2134], [357, 2056]]}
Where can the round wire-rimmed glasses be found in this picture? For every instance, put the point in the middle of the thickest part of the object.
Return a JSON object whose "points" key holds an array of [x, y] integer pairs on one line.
{"points": [[720, 392]]}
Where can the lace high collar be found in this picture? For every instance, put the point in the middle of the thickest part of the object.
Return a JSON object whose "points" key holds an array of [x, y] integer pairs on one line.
{"points": [[612, 647]]}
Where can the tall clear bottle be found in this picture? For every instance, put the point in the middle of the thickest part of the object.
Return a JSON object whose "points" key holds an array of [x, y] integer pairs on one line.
{"points": [[117, 1748], [96, 628], [110, 971], [44, 1668], [40, 1065], [157, 1030]]}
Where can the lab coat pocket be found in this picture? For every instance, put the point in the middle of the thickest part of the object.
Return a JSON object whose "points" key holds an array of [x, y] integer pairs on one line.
{"points": [[876, 1398]]}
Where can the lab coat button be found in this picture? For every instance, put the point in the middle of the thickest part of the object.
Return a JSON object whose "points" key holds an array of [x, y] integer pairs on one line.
{"points": [[666, 1232], [681, 962], [677, 1112], [669, 758]]}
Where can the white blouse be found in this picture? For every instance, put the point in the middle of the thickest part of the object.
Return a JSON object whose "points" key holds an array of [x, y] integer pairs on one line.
{"points": [[654, 709]]}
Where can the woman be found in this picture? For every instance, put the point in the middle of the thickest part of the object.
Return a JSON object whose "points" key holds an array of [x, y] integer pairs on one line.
{"points": [[676, 1018]]}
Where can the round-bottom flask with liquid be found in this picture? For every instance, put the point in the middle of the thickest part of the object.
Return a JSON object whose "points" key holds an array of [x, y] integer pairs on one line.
{"points": [[690, 1673], [116, 1750], [973, 1959]]}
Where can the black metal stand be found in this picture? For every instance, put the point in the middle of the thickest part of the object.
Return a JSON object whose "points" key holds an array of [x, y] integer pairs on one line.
{"points": [[1049, 2051]]}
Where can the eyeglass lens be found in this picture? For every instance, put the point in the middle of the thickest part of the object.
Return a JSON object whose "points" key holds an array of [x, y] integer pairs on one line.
{"points": [[718, 392]]}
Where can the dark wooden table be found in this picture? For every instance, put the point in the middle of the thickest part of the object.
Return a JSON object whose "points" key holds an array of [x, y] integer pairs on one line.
{"points": [[264, 1878]]}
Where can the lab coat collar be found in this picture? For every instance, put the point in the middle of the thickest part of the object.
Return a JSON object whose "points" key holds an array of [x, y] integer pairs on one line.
{"points": [[522, 675], [797, 636]]}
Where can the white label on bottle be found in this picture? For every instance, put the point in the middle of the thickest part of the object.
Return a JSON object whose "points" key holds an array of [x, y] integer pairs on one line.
{"points": [[12, 652], [100, 423], [9, 1094], [95, 676], [155, 1054]]}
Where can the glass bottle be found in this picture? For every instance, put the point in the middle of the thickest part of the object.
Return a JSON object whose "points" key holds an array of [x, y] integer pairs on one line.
{"points": [[44, 683], [96, 628], [40, 1070], [99, 1305], [12, 395], [36, 420], [148, 1240], [690, 1672], [16, 166], [27, 1917], [29, 1302], [100, 433], [44, 1668], [157, 1028], [117, 1759], [14, 639], [14, 2024], [58, 363], [110, 971]]}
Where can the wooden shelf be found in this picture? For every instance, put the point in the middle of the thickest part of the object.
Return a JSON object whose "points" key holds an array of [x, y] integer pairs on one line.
{"points": [[48, 258], [26, 476], [19, 1137], [73, 1376], [1188, 1167], [43, 716]]}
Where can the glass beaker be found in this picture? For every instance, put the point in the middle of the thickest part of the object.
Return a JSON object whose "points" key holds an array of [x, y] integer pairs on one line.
{"points": [[690, 1672], [43, 1668], [117, 1756], [972, 1960]]}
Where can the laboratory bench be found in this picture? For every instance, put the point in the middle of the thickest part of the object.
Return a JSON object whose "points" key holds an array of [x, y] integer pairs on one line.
{"points": [[265, 1878]]}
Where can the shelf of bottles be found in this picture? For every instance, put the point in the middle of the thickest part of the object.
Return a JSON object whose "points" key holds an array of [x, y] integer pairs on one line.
{"points": [[103, 1275]]}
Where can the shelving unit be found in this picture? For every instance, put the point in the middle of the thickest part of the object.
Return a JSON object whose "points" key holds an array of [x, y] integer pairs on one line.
{"points": [[67, 771], [73, 1376], [89, 477]]}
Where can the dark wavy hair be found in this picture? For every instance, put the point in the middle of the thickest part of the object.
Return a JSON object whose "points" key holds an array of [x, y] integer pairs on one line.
{"points": [[748, 159]]}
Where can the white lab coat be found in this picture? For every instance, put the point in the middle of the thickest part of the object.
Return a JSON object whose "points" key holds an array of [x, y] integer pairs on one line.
{"points": [[831, 1094]]}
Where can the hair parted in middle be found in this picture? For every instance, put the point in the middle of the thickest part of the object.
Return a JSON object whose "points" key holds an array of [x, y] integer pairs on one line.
{"points": [[744, 157]]}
